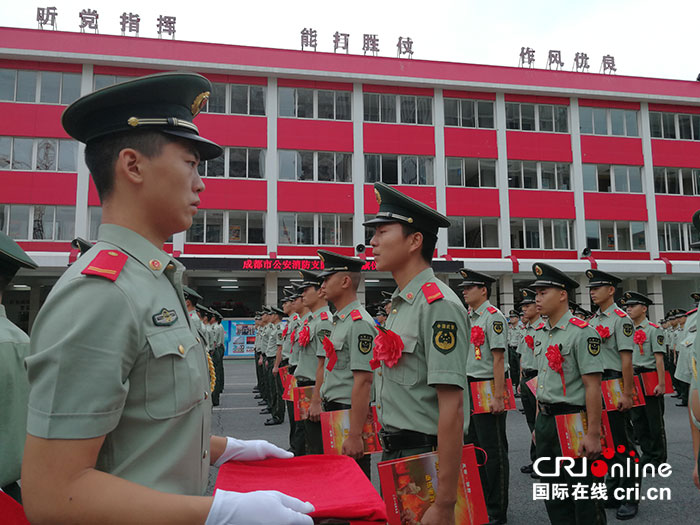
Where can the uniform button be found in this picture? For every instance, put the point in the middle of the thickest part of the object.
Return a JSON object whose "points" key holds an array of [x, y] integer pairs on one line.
{"points": [[379, 406], [393, 311], [181, 349], [206, 395], [170, 266], [198, 340], [380, 372], [204, 456]]}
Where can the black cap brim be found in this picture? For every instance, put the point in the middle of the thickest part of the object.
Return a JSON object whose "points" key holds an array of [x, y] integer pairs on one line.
{"points": [[206, 148]]}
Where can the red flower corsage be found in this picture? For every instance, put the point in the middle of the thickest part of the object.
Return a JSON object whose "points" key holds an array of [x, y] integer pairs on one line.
{"points": [[639, 338], [284, 332], [304, 337], [330, 354], [530, 342], [556, 363], [603, 332], [477, 339], [388, 347]]}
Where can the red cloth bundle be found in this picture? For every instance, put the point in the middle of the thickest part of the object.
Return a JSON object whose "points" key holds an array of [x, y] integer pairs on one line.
{"points": [[319, 479], [11, 512]]}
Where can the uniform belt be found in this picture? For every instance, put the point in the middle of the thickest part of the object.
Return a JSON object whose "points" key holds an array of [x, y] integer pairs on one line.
{"points": [[332, 406], [478, 379], [557, 409], [529, 374], [641, 370], [611, 374], [405, 439], [284, 362], [305, 382], [292, 369]]}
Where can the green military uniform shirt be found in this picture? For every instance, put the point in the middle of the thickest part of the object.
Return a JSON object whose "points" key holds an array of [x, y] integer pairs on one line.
{"points": [[118, 357], [274, 339], [695, 383], [434, 332], [621, 335], [292, 324], [684, 347], [515, 335], [352, 337], [14, 391], [580, 349], [493, 323], [263, 335], [319, 327], [296, 347], [653, 344], [527, 354]]}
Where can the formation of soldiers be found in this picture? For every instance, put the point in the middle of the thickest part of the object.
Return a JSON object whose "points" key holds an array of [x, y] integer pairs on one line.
{"points": [[115, 387]]}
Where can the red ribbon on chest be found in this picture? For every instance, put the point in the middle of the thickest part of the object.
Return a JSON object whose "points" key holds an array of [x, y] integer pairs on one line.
{"points": [[556, 363], [388, 347], [330, 354], [477, 339]]}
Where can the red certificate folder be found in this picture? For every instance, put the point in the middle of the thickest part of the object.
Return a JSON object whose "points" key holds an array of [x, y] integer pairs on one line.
{"points": [[572, 427], [651, 379], [482, 393], [336, 425], [612, 393]]}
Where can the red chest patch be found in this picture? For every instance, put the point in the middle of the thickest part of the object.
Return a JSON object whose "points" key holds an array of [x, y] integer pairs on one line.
{"points": [[324, 316], [578, 322], [355, 315], [107, 264], [492, 310], [620, 312], [432, 292]]}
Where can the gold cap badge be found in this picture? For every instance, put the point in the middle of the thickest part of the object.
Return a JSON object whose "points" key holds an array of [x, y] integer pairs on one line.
{"points": [[538, 270], [199, 103], [377, 196], [154, 264]]}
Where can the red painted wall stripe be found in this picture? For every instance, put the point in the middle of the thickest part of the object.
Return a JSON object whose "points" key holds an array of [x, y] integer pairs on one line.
{"points": [[675, 153], [600, 103], [542, 203], [397, 90], [674, 108], [614, 255], [314, 197], [224, 249], [681, 256], [676, 208], [425, 194], [38, 187], [283, 249], [316, 135], [529, 145], [611, 150], [473, 253], [472, 202], [399, 139], [45, 246], [125, 71], [233, 130], [476, 95], [615, 206], [234, 194], [31, 120], [545, 254], [468, 142], [314, 84], [41, 66], [537, 99]]}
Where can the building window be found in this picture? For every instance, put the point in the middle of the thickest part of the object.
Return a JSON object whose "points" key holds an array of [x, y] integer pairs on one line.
{"points": [[386, 168], [323, 166], [616, 235], [471, 173], [612, 179], [676, 236], [542, 234], [469, 113], [230, 227], [608, 121], [238, 163], [103, 81], [38, 222], [40, 154], [94, 221], [674, 126], [677, 181], [385, 108], [539, 175], [247, 100], [319, 229], [537, 117], [315, 103], [46, 87], [472, 232]]}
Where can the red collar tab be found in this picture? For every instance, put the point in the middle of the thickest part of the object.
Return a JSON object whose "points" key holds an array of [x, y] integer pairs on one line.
{"points": [[654, 325], [355, 315], [492, 309], [324, 316], [620, 312], [578, 322], [107, 264], [691, 311], [540, 326], [432, 292]]}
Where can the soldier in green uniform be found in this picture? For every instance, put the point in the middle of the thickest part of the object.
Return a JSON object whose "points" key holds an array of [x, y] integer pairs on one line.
{"points": [[274, 346], [684, 340], [616, 332], [14, 387], [219, 352], [694, 398], [119, 408], [669, 336], [528, 364], [420, 385], [570, 365], [649, 351], [514, 337], [347, 379], [304, 313], [487, 360], [257, 390], [316, 330], [296, 446]]}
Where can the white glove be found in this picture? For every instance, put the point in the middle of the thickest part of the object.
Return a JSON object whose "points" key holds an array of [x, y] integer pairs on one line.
{"points": [[258, 508], [251, 450]]}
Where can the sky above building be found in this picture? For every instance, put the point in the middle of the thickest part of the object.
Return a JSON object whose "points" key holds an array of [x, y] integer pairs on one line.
{"points": [[646, 38]]}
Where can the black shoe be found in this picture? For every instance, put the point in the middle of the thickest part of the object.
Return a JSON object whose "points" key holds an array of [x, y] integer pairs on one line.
{"points": [[676, 395], [682, 404], [262, 402], [496, 521], [265, 411], [611, 503], [627, 511], [527, 469], [273, 421], [256, 390], [257, 396]]}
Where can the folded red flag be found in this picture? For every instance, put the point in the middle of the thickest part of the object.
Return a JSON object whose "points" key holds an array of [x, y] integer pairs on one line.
{"points": [[12, 512], [317, 479]]}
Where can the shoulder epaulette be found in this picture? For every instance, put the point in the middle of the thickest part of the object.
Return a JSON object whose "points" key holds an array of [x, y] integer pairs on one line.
{"points": [[654, 325], [356, 315], [107, 264], [432, 292], [691, 311], [540, 327], [492, 309], [296, 317], [324, 316], [578, 322], [620, 312]]}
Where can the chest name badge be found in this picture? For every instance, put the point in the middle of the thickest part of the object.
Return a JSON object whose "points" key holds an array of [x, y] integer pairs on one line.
{"points": [[444, 336], [165, 317]]}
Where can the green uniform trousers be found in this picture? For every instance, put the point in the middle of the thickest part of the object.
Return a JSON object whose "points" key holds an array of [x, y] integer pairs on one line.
{"points": [[620, 430], [529, 402]]}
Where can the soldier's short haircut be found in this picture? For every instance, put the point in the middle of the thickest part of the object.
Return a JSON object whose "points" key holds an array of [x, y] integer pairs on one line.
{"points": [[428, 246], [101, 154]]}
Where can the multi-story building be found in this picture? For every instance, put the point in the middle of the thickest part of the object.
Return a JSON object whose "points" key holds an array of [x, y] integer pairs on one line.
{"points": [[528, 164]]}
